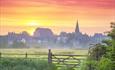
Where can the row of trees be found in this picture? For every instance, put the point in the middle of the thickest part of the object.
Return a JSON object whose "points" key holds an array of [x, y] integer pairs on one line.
{"points": [[15, 44], [102, 56]]}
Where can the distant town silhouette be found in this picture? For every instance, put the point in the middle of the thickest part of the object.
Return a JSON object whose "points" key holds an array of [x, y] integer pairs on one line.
{"points": [[44, 38]]}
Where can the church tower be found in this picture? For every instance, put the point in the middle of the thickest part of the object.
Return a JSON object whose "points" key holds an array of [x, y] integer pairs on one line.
{"points": [[77, 28]]}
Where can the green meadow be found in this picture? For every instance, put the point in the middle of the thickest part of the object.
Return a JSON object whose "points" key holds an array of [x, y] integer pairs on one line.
{"points": [[40, 52], [14, 59]]}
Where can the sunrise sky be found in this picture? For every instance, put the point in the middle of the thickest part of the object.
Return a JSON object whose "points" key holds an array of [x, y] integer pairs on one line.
{"points": [[94, 16]]}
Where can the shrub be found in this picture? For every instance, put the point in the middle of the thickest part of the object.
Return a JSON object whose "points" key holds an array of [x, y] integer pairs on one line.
{"points": [[104, 64], [89, 65]]}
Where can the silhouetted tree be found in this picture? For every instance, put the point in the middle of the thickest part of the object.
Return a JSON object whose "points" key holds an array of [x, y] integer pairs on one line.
{"points": [[97, 51]]}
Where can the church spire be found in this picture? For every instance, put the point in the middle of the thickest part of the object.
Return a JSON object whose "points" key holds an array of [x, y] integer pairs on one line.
{"points": [[77, 28]]}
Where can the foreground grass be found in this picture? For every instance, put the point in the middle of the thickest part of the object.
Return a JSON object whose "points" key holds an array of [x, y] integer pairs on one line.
{"points": [[34, 62], [25, 64], [28, 64]]}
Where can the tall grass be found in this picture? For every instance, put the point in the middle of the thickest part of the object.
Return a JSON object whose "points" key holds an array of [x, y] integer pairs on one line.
{"points": [[25, 64], [28, 64]]}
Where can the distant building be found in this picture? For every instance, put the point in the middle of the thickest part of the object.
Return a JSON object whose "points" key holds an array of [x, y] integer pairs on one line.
{"points": [[77, 31], [77, 39], [43, 33]]}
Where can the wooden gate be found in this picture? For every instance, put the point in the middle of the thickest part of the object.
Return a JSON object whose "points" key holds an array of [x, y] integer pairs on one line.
{"points": [[65, 60]]}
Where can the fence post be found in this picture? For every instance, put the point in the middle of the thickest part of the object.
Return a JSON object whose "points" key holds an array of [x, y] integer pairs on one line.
{"points": [[49, 56], [0, 55], [26, 55]]}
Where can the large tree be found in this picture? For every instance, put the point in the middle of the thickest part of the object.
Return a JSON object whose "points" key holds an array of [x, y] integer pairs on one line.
{"points": [[112, 35], [104, 54]]}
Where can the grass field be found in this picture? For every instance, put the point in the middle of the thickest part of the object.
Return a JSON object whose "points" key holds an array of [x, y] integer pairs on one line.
{"points": [[45, 51], [42, 54]]}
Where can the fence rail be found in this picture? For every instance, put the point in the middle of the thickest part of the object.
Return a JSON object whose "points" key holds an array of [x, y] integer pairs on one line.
{"points": [[25, 55]]}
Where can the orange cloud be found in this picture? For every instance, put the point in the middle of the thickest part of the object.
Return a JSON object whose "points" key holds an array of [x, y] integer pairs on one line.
{"points": [[59, 15]]}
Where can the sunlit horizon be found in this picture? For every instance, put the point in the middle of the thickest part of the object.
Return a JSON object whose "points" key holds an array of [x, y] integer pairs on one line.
{"points": [[94, 16], [30, 27]]}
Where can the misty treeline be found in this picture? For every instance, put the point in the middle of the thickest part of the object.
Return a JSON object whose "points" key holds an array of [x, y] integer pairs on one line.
{"points": [[4, 43]]}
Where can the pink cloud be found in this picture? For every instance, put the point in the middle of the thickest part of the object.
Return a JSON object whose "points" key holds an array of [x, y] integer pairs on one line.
{"points": [[73, 3], [21, 3], [87, 3]]}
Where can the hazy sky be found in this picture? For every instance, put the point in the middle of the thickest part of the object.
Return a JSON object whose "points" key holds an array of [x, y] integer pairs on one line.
{"points": [[59, 15]]}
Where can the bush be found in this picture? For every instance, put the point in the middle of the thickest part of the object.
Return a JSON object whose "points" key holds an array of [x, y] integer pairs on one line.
{"points": [[104, 64], [89, 65]]}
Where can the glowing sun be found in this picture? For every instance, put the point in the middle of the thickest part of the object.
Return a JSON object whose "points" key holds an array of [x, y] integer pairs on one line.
{"points": [[33, 23]]}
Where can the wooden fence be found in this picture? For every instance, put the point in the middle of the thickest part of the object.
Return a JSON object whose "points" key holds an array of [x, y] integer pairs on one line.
{"points": [[65, 60], [24, 55]]}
